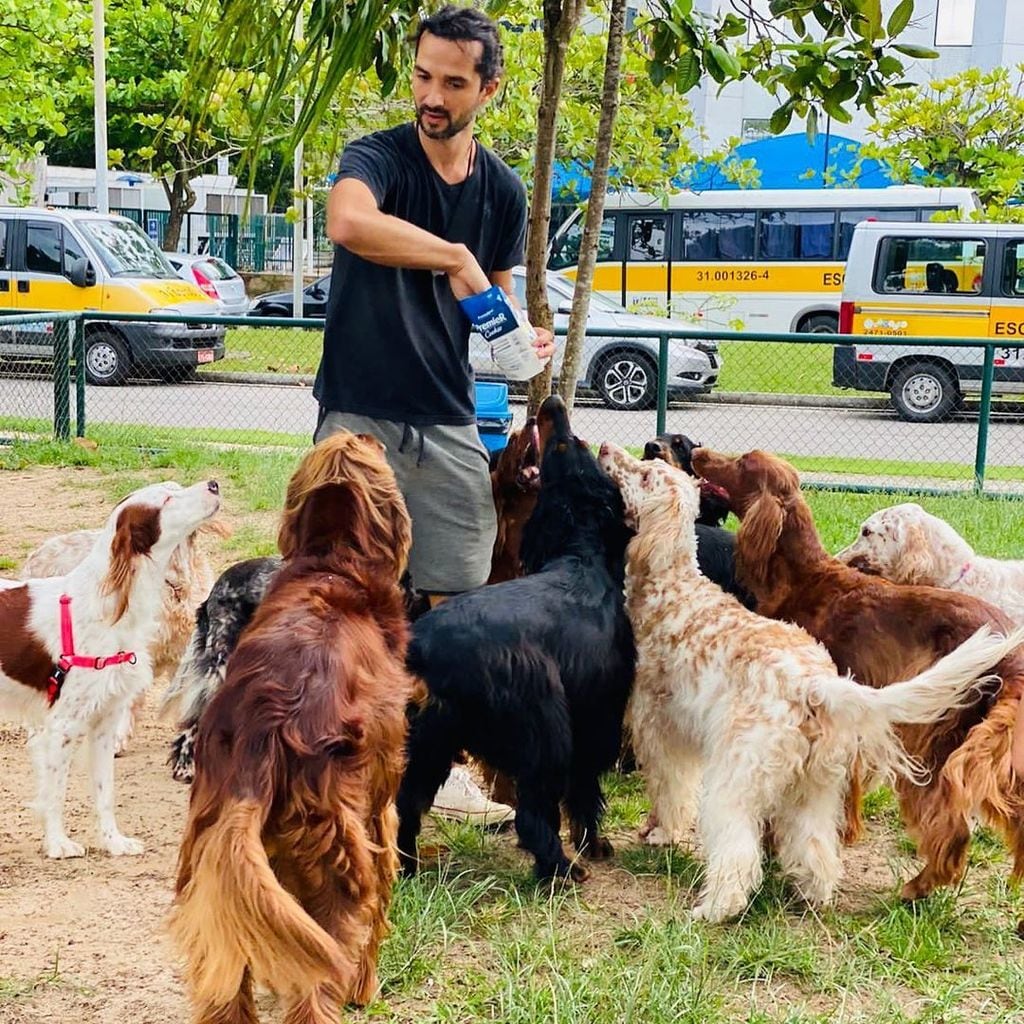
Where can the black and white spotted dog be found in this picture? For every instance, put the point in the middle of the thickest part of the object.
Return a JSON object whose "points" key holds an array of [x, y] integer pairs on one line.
{"points": [[220, 620]]}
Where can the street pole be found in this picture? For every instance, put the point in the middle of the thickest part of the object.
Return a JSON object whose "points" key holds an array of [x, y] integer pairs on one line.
{"points": [[99, 80], [298, 205]]}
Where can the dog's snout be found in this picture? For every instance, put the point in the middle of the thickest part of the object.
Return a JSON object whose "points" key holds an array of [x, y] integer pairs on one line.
{"points": [[213, 487], [652, 450]]}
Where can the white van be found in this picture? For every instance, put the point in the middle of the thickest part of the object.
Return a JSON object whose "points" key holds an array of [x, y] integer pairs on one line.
{"points": [[917, 280], [75, 261]]}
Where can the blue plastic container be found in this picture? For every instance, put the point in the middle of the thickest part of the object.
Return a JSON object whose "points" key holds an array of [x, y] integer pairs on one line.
{"points": [[493, 415]]}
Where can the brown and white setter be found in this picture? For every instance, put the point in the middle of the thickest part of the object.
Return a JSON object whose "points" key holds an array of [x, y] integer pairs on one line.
{"points": [[288, 859], [883, 632], [75, 649]]}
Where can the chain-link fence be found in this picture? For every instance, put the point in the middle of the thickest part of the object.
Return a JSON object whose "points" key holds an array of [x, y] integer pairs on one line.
{"points": [[843, 419]]}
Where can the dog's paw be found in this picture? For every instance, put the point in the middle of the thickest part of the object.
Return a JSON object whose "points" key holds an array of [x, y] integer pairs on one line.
{"points": [[722, 908], [659, 836], [63, 848], [123, 846], [598, 849]]}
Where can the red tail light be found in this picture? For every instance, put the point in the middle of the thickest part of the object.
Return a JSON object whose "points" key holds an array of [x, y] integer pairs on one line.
{"points": [[205, 284], [846, 318]]}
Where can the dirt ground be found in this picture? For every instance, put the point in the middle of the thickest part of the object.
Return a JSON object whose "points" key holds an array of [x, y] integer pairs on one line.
{"points": [[82, 940]]}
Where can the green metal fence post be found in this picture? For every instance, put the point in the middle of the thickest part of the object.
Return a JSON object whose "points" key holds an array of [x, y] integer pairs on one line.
{"points": [[984, 418], [78, 348], [61, 381], [662, 382]]}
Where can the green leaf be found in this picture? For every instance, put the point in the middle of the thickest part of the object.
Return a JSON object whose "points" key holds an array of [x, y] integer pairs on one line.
{"points": [[727, 63], [900, 18], [913, 50], [779, 121], [687, 72]]}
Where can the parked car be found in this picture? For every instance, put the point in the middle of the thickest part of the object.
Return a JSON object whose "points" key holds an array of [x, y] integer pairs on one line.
{"points": [[624, 371], [314, 301], [75, 261], [214, 278]]}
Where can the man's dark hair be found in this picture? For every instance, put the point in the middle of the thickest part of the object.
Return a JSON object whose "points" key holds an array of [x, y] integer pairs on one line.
{"points": [[467, 25]]}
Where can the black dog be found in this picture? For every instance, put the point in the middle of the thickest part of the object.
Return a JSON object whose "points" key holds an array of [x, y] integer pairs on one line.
{"points": [[532, 675], [220, 620], [716, 546]]}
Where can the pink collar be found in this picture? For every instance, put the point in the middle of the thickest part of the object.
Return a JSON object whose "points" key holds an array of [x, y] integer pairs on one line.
{"points": [[69, 659], [963, 572]]}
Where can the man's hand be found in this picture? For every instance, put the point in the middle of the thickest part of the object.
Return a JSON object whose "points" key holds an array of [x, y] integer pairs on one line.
{"points": [[466, 277], [544, 343]]}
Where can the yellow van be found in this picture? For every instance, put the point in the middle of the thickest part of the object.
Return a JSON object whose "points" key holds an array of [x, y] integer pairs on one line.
{"points": [[76, 261], [932, 281]]}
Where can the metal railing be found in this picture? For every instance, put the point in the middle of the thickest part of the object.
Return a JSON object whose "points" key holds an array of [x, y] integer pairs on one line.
{"points": [[288, 355]]}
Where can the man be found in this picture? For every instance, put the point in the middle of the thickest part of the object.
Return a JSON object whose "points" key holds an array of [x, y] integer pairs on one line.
{"points": [[421, 216]]}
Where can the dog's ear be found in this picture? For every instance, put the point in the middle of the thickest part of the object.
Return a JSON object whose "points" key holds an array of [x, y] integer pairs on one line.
{"points": [[137, 530], [916, 562], [758, 536]]}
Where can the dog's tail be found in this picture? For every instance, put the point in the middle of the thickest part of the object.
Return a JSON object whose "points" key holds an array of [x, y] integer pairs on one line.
{"points": [[954, 682], [233, 913]]}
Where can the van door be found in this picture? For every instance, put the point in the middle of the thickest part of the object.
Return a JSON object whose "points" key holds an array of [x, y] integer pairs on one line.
{"points": [[7, 301], [1006, 318], [648, 260]]}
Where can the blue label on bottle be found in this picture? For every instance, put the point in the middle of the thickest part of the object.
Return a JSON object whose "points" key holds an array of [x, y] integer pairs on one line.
{"points": [[490, 313]]}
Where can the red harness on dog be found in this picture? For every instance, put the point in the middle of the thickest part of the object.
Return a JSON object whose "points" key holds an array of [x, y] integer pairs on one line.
{"points": [[69, 659]]}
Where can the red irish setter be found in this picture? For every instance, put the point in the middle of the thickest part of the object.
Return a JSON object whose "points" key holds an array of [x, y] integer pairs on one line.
{"points": [[515, 481], [287, 864], [883, 632]]}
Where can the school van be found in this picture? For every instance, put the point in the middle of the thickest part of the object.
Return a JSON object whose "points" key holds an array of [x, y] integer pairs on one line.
{"points": [[916, 280], [78, 261]]}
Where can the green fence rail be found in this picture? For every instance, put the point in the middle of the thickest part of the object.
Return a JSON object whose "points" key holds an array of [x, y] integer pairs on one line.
{"points": [[771, 393]]}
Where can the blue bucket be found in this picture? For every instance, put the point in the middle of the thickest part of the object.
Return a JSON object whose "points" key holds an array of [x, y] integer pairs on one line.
{"points": [[493, 415]]}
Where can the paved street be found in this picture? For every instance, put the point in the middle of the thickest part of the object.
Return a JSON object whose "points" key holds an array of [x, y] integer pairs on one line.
{"points": [[795, 430]]}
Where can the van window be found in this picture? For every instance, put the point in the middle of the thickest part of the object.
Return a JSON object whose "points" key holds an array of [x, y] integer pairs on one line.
{"points": [[72, 252], [126, 250], [568, 252], [42, 249], [930, 266], [647, 238], [797, 234], [719, 235], [3, 244], [1013, 268], [849, 219]]}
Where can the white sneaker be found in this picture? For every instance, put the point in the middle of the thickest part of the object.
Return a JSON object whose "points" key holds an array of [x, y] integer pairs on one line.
{"points": [[461, 799]]}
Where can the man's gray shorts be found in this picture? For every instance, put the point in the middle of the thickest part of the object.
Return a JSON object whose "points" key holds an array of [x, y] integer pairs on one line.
{"points": [[442, 472]]}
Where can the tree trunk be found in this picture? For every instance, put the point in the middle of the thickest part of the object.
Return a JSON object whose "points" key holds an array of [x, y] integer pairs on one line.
{"points": [[180, 199], [595, 207], [561, 18]]}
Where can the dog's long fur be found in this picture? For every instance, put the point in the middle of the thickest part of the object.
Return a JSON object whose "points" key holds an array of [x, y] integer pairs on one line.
{"points": [[116, 594], [515, 480], [755, 704], [906, 544], [288, 859], [883, 632], [532, 675]]}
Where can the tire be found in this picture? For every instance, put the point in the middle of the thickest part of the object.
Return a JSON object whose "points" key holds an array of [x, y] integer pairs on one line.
{"points": [[924, 393], [627, 381], [106, 359], [820, 323]]}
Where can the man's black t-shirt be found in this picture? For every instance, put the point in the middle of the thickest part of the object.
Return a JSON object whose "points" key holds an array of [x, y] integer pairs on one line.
{"points": [[396, 343]]}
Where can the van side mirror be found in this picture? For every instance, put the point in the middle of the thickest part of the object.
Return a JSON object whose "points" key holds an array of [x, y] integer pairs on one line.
{"points": [[82, 273], [316, 292]]}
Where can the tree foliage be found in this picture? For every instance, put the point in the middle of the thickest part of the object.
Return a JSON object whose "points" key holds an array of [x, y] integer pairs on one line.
{"points": [[964, 130]]}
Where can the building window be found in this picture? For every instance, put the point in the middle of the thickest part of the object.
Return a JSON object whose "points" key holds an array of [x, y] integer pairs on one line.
{"points": [[954, 23], [754, 128]]}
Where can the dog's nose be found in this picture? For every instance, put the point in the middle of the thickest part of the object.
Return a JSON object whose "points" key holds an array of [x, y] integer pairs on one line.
{"points": [[213, 487], [652, 450]]}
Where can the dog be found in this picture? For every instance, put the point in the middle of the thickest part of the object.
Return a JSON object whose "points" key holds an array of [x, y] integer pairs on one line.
{"points": [[677, 450], [754, 705], [532, 675], [905, 544], [515, 481], [288, 859], [883, 632], [74, 649]]}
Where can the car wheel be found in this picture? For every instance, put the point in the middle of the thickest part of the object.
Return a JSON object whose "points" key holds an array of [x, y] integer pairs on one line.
{"points": [[820, 323], [924, 393], [628, 380], [106, 359]]}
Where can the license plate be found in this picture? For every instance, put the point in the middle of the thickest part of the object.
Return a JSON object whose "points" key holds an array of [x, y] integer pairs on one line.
{"points": [[204, 355]]}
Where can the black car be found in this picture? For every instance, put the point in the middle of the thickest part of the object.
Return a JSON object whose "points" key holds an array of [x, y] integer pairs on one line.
{"points": [[314, 301]]}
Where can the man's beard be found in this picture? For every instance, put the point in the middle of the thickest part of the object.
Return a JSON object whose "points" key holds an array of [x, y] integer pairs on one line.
{"points": [[446, 131]]}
